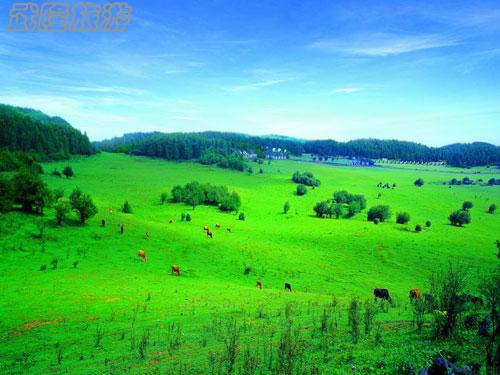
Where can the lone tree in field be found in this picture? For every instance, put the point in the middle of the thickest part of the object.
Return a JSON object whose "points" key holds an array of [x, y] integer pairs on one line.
{"points": [[286, 207], [418, 228], [492, 208], [126, 208], [301, 190], [62, 209], [467, 205], [381, 212], [419, 182], [163, 197], [403, 218], [30, 191], [460, 217], [428, 223], [83, 205], [68, 172]]}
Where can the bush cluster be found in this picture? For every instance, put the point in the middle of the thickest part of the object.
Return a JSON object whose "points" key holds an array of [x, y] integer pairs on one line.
{"points": [[195, 194]]}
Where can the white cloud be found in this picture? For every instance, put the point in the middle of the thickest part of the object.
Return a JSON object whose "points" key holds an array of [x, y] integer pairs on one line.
{"points": [[381, 44], [346, 90]]}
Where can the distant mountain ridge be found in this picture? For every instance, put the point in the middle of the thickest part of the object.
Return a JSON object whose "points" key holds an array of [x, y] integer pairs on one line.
{"points": [[185, 146], [32, 131]]}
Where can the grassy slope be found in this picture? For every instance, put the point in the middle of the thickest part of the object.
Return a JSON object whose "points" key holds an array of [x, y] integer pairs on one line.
{"points": [[318, 257]]}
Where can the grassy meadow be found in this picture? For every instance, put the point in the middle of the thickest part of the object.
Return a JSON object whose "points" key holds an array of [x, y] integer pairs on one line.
{"points": [[114, 313]]}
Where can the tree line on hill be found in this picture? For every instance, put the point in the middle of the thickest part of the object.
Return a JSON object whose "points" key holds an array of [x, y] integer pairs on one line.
{"points": [[188, 146], [49, 138]]}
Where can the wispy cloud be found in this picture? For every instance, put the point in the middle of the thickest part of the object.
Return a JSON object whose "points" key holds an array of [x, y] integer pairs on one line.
{"points": [[108, 90], [346, 90], [184, 118], [382, 44], [257, 85]]}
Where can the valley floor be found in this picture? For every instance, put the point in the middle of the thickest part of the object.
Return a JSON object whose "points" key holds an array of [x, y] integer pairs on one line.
{"points": [[113, 313]]}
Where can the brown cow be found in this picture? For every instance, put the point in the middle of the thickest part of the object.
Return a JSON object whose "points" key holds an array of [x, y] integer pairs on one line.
{"points": [[176, 269], [229, 229], [147, 235], [210, 234], [205, 228], [142, 254], [258, 284], [217, 226], [415, 293]]}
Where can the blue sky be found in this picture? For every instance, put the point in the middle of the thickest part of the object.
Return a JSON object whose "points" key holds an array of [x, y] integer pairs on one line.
{"points": [[425, 71]]}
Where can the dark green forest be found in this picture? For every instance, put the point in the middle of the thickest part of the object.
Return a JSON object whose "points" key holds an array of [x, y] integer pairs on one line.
{"points": [[186, 146], [49, 138]]}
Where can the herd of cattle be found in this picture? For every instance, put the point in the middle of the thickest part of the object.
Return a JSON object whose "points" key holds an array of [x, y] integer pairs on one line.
{"points": [[379, 293]]}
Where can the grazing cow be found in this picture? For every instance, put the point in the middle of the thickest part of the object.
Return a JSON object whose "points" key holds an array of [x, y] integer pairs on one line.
{"points": [[176, 269], [258, 284], [210, 234], [121, 229], [147, 235], [103, 223], [415, 293], [205, 228], [229, 229], [142, 254], [170, 221], [217, 226], [288, 287], [382, 293]]}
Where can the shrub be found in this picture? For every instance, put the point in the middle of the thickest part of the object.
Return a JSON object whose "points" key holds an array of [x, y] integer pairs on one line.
{"points": [[369, 315], [126, 208], [419, 182], [56, 173], [301, 190], [230, 203], [62, 209], [83, 204], [163, 197], [54, 263], [418, 228], [376, 220], [261, 171], [381, 212], [43, 267], [321, 209], [183, 216], [6, 194], [241, 216], [460, 217], [286, 207], [467, 205], [247, 270], [75, 264], [250, 170], [188, 217], [428, 223], [492, 208], [68, 172], [447, 286], [403, 218], [306, 178], [354, 318], [57, 194]]}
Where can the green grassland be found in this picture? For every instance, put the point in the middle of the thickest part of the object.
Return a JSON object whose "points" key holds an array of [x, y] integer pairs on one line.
{"points": [[114, 313]]}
